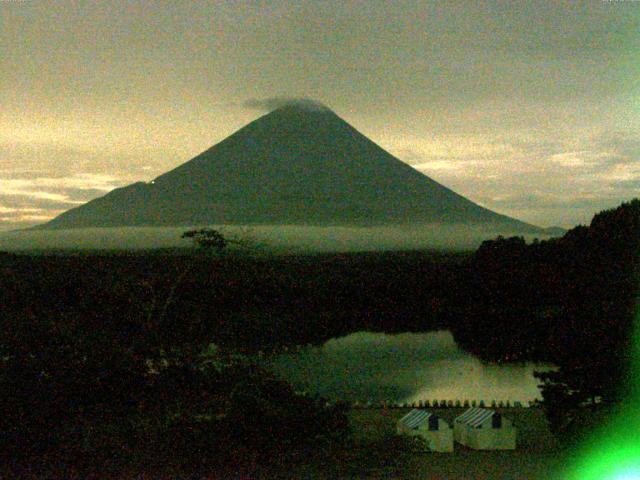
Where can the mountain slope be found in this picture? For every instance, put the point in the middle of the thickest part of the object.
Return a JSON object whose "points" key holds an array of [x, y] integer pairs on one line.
{"points": [[296, 165]]}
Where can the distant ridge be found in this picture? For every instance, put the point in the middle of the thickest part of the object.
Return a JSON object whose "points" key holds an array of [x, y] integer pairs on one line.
{"points": [[554, 231], [299, 165]]}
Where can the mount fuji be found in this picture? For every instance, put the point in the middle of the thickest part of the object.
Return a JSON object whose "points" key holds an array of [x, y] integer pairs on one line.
{"points": [[300, 164]]}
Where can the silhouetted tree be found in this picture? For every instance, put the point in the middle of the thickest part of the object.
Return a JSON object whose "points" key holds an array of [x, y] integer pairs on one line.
{"points": [[207, 239], [595, 337]]}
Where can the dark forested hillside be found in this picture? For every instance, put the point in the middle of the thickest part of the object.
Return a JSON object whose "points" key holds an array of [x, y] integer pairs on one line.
{"points": [[555, 299], [241, 301], [100, 354]]}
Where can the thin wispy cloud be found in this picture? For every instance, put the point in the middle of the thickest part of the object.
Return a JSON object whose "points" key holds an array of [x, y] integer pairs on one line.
{"points": [[567, 178], [48, 188], [26, 218], [583, 158], [4, 209], [623, 173], [436, 165], [53, 195], [272, 103]]}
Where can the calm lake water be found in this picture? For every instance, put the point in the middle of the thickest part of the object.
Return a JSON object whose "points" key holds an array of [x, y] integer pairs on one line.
{"points": [[406, 367]]}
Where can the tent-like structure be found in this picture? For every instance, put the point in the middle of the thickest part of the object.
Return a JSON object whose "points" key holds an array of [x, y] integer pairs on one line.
{"points": [[435, 431], [484, 429]]}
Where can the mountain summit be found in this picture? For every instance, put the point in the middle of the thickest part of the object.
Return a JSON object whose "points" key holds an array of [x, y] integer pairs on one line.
{"points": [[300, 164]]}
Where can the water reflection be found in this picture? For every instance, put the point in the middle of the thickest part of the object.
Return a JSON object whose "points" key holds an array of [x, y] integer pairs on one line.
{"points": [[406, 367]]}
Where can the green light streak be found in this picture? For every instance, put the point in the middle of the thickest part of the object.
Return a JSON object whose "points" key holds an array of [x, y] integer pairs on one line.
{"points": [[612, 452]]}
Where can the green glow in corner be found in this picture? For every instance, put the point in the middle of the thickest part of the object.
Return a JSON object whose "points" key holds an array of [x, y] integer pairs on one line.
{"points": [[613, 451], [628, 475], [617, 457]]}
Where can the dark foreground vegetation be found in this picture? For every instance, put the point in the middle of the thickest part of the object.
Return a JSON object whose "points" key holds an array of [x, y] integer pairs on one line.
{"points": [[150, 362], [84, 406], [245, 302]]}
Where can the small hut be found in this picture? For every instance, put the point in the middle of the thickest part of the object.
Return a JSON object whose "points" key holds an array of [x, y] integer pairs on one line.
{"points": [[436, 432], [484, 429]]}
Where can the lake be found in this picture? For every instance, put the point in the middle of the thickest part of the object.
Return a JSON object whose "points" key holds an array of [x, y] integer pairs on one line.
{"points": [[406, 367]]}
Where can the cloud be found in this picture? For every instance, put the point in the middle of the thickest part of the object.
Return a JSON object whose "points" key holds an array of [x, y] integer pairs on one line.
{"points": [[273, 103], [21, 216], [623, 173], [564, 179], [57, 189], [26, 218], [569, 159], [35, 194], [28, 200], [545, 200], [436, 165], [5, 209], [80, 181], [590, 159], [23, 201], [632, 185], [53, 160]]}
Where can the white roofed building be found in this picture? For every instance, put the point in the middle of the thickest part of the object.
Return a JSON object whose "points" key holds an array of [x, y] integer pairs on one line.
{"points": [[484, 429], [435, 431]]}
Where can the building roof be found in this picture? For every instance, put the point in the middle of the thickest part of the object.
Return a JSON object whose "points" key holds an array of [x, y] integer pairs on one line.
{"points": [[475, 416], [416, 417]]}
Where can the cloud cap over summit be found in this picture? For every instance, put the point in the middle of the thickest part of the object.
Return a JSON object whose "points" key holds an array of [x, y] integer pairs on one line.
{"points": [[274, 103]]}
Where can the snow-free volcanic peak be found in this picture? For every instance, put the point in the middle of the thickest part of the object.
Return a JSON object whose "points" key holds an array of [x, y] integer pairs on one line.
{"points": [[299, 164]]}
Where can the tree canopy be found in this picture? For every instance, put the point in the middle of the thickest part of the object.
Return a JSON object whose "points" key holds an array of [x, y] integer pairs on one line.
{"points": [[207, 239]]}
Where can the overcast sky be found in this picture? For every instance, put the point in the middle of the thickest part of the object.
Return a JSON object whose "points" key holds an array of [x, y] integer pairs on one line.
{"points": [[529, 108]]}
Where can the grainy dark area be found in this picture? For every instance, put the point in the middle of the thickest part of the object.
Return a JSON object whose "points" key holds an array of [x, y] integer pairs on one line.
{"points": [[151, 362]]}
